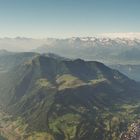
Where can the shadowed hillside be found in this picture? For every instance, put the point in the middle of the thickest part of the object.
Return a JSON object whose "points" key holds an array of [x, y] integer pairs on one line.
{"points": [[62, 99]]}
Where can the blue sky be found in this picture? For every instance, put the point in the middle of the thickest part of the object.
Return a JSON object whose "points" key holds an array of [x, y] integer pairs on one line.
{"points": [[66, 18]]}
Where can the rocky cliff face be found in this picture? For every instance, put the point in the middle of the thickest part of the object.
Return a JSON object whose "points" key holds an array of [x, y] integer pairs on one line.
{"points": [[133, 132]]}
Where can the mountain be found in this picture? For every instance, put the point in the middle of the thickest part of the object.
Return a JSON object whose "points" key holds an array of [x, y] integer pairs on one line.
{"points": [[3, 52], [106, 50], [9, 60], [131, 70], [47, 97], [110, 49]]}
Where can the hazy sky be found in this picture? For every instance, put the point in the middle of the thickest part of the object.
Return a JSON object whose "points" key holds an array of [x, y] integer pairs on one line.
{"points": [[66, 18]]}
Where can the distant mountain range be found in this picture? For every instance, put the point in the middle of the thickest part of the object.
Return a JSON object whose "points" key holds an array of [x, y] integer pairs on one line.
{"points": [[104, 49], [51, 97], [119, 50], [89, 48], [107, 50]]}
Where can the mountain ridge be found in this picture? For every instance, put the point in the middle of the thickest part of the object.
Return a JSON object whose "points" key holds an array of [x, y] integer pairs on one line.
{"points": [[66, 99]]}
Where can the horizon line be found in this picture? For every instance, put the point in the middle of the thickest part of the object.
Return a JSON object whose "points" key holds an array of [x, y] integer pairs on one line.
{"points": [[100, 35]]}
